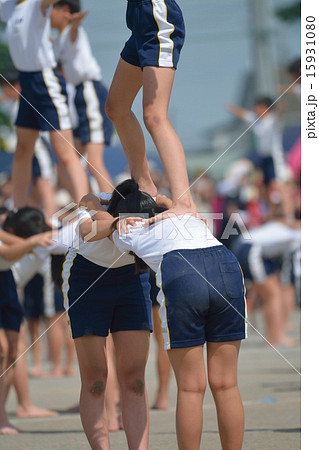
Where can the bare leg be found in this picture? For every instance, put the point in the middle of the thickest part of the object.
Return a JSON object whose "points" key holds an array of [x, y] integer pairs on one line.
{"points": [[8, 353], [70, 349], [112, 391], [127, 82], [55, 341], [271, 294], [189, 369], [131, 375], [96, 166], [163, 364], [62, 143], [25, 407], [222, 376], [46, 194], [157, 87], [21, 169], [93, 372], [36, 349]]}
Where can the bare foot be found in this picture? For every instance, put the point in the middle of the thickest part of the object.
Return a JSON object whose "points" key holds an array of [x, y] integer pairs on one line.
{"points": [[69, 372], [163, 406], [7, 428], [34, 411], [36, 372], [147, 186], [73, 409], [55, 373]]}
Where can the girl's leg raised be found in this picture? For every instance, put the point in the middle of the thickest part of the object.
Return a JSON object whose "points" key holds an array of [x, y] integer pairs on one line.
{"points": [[127, 82]]}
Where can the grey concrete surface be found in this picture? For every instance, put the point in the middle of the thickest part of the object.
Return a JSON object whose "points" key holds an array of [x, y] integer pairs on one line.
{"points": [[269, 381]]}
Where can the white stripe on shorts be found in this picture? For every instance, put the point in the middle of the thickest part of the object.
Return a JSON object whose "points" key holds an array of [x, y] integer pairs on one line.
{"points": [[256, 264], [54, 89], [165, 29], [93, 113], [162, 311], [66, 272]]}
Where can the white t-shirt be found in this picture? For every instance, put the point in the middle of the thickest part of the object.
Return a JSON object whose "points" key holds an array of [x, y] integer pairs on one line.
{"points": [[78, 62], [268, 132], [151, 243], [102, 252], [28, 33], [274, 239]]}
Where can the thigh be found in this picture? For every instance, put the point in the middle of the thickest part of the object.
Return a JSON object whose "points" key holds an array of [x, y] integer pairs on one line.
{"points": [[131, 351], [157, 87], [127, 81], [26, 138], [222, 358], [91, 353], [189, 367]]}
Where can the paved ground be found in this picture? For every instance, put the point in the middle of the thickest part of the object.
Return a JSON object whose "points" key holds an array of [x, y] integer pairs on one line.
{"points": [[270, 387]]}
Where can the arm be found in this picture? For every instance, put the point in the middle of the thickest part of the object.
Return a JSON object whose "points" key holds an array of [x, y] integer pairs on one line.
{"points": [[15, 251], [75, 21], [97, 227], [237, 111]]}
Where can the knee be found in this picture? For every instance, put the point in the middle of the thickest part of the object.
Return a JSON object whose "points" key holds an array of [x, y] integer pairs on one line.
{"points": [[132, 381], [95, 387], [94, 382], [152, 121], [191, 387], [113, 110], [222, 384]]}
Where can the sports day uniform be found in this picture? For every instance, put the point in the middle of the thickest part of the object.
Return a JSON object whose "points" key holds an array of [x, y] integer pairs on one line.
{"points": [[81, 69], [11, 313], [201, 286], [43, 103], [270, 245], [158, 33], [101, 290]]}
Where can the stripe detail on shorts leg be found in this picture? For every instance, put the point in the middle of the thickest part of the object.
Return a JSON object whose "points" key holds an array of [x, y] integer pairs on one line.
{"points": [[256, 265], [165, 29], [162, 311], [54, 89], [93, 113], [66, 272]]}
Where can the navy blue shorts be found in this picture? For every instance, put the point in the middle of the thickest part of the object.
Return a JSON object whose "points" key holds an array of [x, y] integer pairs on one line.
{"points": [[98, 299], [94, 125], [34, 298], [11, 312], [202, 298], [268, 169], [43, 102], [158, 33], [254, 266]]}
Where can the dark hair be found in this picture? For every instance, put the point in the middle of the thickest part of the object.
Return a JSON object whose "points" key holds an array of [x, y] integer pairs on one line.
{"points": [[127, 198], [74, 5], [10, 75], [295, 67], [25, 222], [266, 101], [57, 262]]}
